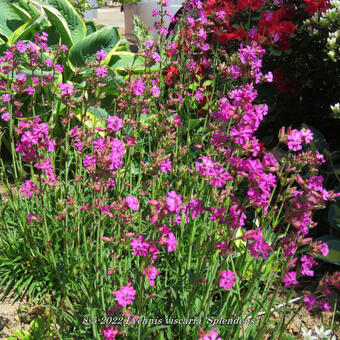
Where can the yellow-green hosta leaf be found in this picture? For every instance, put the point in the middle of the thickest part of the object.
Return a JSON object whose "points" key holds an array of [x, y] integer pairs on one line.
{"points": [[21, 11], [106, 39], [239, 243], [10, 18], [96, 118], [122, 60], [59, 23], [75, 23], [27, 30]]}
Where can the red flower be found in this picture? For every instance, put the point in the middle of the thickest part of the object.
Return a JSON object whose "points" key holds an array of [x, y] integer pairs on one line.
{"points": [[172, 72], [272, 24], [212, 6], [253, 4], [313, 6], [225, 37], [282, 84]]}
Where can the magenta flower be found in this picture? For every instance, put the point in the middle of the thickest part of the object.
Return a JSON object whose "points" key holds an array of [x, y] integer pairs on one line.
{"points": [[228, 279], [319, 248], [66, 89], [89, 161], [99, 144], [64, 48], [101, 71], [307, 264], [29, 138], [166, 166], [202, 35], [21, 77], [138, 87], [117, 151], [30, 90], [114, 123], [151, 273], [171, 242], [324, 305], [177, 120], [110, 333], [220, 177], [198, 95], [310, 301], [140, 247], [5, 97], [295, 140], [324, 249], [125, 295], [6, 116], [174, 202], [29, 189], [101, 55], [209, 335], [49, 62], [290, 279], [241, 133], [163, 31], [205, 167], [148, 43], [196, 207], [155, 57], [191, 22], [257, 245], [155, 90], [307, 135], [132, 202], [59, 68], [8, 55], [21, 47], [220, 14], [154, 12]]}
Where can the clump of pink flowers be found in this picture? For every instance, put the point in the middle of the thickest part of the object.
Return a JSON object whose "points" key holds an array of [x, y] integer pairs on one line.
{"points": [[125, 295]]}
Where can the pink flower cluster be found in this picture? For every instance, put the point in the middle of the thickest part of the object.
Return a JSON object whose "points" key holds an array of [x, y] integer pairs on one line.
{"points": [[294, 138], [34, 139], [106, 156], [125, 295], [257, 245]]}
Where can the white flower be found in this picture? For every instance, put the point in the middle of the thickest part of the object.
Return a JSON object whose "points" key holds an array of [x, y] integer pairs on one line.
{"points": [[331, 42], [308, 335], [331, 54], [336, 108], [321, 333], [335, 3]]}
